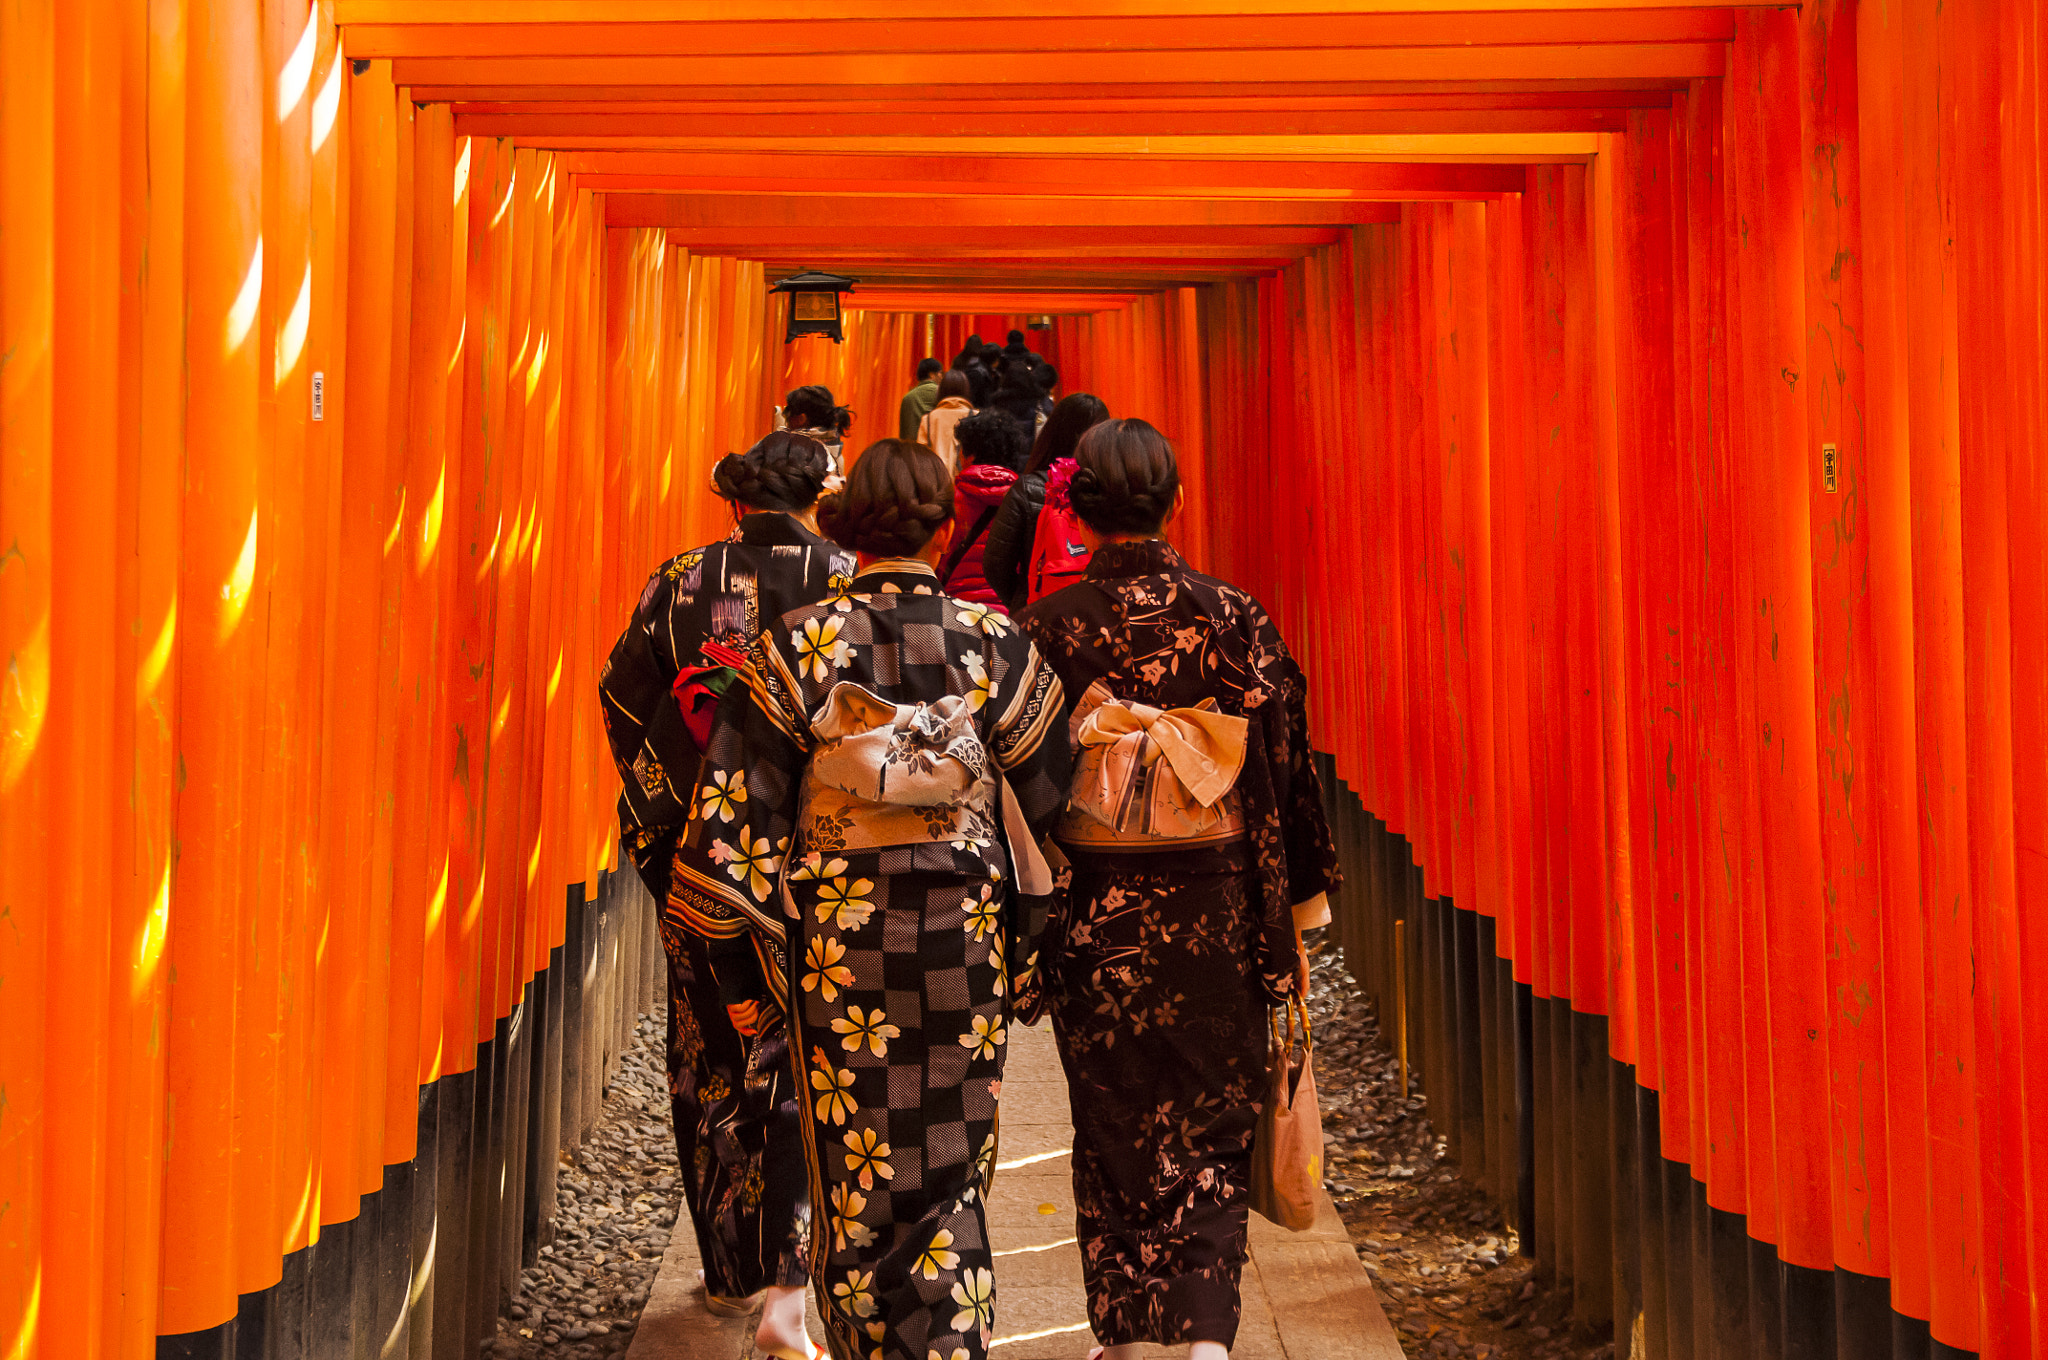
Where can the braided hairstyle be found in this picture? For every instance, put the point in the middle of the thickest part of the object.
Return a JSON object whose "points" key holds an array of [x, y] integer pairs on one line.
{"points": [[784, 472], [1125, 478], [895, 499]]}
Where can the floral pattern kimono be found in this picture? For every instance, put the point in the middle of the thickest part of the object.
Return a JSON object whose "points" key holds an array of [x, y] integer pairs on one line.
{"points": [[900, 930], [1166, 954], [732, 1097]]}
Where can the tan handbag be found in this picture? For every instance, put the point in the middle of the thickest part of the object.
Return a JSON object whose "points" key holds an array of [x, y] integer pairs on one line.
{"points": [[1287, 1159]]}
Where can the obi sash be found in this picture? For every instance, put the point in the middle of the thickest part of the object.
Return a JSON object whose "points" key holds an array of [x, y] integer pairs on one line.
{"points": [[888, 774], [1152, 778]]}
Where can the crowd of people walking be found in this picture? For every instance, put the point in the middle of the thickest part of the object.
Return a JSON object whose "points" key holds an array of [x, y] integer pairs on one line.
{"points": [[943, 738]]}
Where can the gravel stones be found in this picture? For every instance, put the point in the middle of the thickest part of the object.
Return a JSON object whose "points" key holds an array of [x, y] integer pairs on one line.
{"points": [[1448, 1269], [616, 1199]]}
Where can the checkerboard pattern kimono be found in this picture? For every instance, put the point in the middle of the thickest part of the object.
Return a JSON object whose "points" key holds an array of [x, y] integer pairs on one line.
{"points": [[902, 936], [732, 1097]]}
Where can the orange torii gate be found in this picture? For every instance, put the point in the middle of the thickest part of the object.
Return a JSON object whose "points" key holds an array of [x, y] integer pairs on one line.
{"points": [[1631, 410]]}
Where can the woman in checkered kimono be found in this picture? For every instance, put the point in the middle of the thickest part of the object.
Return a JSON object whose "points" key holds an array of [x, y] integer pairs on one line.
{"points": [[893, 763]]}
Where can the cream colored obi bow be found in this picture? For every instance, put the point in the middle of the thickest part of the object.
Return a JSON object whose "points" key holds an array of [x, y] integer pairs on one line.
{"points": [[1161, 772], [918, 755], [877, 759]]}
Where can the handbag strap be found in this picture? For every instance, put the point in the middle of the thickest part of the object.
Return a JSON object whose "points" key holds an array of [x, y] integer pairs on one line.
{"points": [[1295, 1013], [958, 553]]}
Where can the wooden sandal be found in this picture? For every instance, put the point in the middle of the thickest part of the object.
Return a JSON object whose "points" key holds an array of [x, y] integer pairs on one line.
{"points": [[720, 1305]]}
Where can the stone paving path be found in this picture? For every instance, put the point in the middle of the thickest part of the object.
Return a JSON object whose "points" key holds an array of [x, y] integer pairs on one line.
{"points": [[1306, 1297]]}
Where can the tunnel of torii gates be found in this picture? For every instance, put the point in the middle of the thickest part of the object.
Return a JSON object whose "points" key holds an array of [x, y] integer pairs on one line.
{"points": [[1631, 413]]}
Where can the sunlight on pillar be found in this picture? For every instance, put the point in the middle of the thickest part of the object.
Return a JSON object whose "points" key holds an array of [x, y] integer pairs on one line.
{"points": [[490, 557], [462, 172], [305, 1208], [439, 902], [430, 522], [24, 1345], [291, 338], [235, 590], [327, 104], [540, 360], [529, 526], [455, 355], [25, 702], [504, 712], [505, 204], [518, 363], [533, 862], [158, 661], [397, 524], [149, 941], [242, 315], [298, 69], [476, 900]]}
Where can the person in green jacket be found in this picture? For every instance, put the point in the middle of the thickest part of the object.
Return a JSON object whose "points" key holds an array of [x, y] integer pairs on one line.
{"points": [[919, 400]]}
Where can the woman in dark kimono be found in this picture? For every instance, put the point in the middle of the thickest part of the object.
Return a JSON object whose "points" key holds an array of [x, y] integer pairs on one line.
{"points": [[894, 761], [735, 1105], [1200, 851]]}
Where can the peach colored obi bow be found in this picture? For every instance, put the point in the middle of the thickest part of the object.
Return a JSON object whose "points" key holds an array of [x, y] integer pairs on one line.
{"points": [[1154, 772]]}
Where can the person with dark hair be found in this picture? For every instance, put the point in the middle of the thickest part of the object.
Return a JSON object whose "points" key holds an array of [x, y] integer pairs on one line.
{"points": [[1018, 393], [736, 1109], [919, 400], [813, 411], [902, 755], [935, 431], [970, 353], [1015, 350], [1013, 534], [977, 361], [1048, 383], [994, 446], [1193, 877]]}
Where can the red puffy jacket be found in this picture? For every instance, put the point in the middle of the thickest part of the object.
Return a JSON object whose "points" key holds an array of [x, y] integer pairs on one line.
{"points": [[977, 491]]}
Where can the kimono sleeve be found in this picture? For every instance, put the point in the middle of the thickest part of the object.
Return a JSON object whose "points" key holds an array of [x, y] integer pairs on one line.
{"points": [[644, 729], [1029, 740], [1031, 748], [1296, 858], [728, 865], [1312, 872]]}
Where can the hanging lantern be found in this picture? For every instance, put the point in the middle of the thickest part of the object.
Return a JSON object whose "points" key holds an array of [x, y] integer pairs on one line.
{"points": [[1040, 323], [814, 303]]}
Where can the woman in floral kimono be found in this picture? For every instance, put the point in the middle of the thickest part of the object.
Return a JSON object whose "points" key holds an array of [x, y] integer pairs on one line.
{"points": [[897, 756], [1200, 851], [736, 1110]]}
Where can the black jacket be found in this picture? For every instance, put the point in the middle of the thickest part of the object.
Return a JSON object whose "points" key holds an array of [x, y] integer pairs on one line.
{"points": [[1007, 562]]}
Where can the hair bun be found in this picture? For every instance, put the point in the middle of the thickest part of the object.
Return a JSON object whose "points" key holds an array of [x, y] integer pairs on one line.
{"points": [[1125, 478], [896, 497], [783, 472]]}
